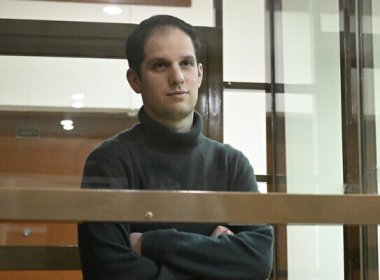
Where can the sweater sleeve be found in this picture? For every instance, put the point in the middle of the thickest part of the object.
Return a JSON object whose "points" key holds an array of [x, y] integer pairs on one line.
{"points": [[104, 248], [106, 255], [245, 255]]}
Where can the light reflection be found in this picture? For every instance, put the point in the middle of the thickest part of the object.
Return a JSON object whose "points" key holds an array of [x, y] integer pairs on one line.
{"points": [[77, 104], [77, 100], [112, 10], [67, 124], [78, 96]]}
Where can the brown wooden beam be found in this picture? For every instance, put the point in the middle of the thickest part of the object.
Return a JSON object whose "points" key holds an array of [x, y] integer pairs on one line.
{"points": [[39, 258], [74, 205]]}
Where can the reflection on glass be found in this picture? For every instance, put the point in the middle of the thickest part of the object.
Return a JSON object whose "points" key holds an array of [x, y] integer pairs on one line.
{"points": [[375, 24], [246, 108], [244, 53], [54, 111], [59, 82], [376, 72], [200, 13], [310, 71]]}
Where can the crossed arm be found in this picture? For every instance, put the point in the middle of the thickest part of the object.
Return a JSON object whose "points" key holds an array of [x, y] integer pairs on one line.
{"points": [[135, 238], [109, 252]]}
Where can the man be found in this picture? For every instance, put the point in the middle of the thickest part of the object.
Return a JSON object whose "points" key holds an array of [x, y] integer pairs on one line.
{"points": [[167, 150]]}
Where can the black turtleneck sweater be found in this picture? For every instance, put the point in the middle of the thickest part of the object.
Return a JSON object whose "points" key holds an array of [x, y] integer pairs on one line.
{"points": [[150, 156]]}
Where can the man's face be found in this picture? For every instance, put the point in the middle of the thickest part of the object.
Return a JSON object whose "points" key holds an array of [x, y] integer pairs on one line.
{"points": [[170, 76]]}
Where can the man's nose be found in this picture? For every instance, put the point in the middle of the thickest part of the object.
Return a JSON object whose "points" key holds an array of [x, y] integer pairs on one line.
{"points": [[176, 75]]}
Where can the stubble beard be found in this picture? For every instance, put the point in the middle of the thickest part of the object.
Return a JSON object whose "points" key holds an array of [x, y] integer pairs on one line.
{"points": [[178, 114]]}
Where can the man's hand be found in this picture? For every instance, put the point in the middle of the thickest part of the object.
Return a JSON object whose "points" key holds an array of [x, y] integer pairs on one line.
{"points": [[135, 239], [220, 230]]}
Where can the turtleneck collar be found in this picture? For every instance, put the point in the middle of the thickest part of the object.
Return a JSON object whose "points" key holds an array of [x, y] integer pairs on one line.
{"points": [[164, 138]]}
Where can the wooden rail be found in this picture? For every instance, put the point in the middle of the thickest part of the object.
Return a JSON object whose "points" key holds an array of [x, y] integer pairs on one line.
{"points": [[74, 205]]}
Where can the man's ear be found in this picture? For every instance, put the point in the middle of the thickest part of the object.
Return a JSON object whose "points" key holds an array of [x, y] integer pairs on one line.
{"points": [[134, 80], [200, 74]]}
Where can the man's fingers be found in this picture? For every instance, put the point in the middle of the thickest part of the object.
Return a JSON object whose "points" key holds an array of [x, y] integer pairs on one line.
{"points": [[220, 230]]}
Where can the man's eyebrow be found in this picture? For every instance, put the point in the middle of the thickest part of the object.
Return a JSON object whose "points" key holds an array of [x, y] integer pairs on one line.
{"points": [[156, 59], [189, 57], [163, 59]]}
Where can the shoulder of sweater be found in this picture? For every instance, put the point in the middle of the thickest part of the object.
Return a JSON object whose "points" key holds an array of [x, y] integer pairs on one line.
{"points": [[118, 141], [221, 147]]}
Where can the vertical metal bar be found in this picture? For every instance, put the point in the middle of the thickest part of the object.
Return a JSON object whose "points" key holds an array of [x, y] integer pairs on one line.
{"points": [[350, 134], [359, 84], [270, 120], [218, 10], [367, 134], [359, 92], [273, 122], [273, 95], [359, 138], [275, 130]]}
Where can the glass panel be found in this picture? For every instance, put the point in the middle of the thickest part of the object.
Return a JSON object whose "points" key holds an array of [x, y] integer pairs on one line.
{"points": [[375, 74], [245, 125], [62, 82], [263, 187], [244, 41], [37, 93], [91, 95], [200, 12], [315, 252], [309, 68], [312, 106]]}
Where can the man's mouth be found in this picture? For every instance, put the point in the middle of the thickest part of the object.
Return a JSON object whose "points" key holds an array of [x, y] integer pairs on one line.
{"points": [[179, 92]]}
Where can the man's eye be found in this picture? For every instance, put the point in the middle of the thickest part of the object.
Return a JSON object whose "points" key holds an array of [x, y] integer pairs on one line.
{"points": [[188, 63], [159, 66]]}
